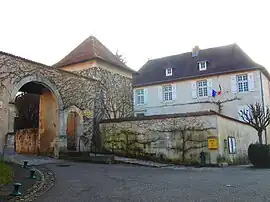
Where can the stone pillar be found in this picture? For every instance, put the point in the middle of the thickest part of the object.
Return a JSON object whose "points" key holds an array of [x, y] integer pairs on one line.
{"points": [[9, 147], [62, 141]]}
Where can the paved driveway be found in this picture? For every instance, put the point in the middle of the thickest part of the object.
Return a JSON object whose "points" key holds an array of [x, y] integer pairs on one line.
{"points": [[94, 182]]}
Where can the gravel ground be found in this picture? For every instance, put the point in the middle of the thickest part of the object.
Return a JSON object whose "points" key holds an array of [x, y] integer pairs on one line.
{"points": [[95, 182]]}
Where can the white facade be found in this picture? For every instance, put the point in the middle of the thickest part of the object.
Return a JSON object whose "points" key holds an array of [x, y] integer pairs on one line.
{"points": [[197, 94]]}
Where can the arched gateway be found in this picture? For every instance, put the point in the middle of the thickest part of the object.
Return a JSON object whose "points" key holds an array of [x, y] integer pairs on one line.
{"points": [[34, 101]]}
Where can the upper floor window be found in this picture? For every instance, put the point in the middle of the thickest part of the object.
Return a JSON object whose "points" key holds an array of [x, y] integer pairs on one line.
{"points": [[139, 96], [168, 71], [202, 65], [242, 83], [202, 89], [167, 93]]}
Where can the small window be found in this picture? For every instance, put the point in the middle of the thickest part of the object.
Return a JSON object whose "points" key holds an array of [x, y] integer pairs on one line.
{"points": [[167, 93], [242, 83], [231, 145], [202, 65], [140, 115], [202, 89], [168, 71], [140, 96]]}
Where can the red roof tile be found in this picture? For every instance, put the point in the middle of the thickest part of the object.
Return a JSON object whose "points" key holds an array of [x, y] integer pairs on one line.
{"points": [[91, 48]]}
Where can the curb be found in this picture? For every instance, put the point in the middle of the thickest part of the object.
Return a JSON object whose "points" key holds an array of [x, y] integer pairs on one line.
{"points": [[40, 187]]}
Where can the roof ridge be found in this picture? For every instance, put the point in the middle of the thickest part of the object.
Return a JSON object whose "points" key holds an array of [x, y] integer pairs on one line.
{"points": [[93, 46], [46, 66], [165, 57]]}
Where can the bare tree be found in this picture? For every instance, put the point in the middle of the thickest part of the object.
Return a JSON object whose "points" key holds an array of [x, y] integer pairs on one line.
{"points": [[257, 117], [190, 132], [219, 103], [130, 142], [120, 57]]}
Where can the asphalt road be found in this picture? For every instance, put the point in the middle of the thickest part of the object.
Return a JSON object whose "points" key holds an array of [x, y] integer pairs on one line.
{"points": [[94, 182]]}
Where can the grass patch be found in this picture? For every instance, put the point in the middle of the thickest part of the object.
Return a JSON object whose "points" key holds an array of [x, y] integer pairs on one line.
{"points": [[5, 173]]}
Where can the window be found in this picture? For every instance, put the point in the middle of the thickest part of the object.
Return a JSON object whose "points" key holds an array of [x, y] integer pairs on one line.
{"points": [[202, 65], [231, 145], [140, 115], [167, 93], [140, 96], [202, 88], [242, 83], [168, 71]]}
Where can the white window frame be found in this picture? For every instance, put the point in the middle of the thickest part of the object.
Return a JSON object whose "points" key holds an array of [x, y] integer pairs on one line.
{"points": [[202, 84], [242, 83], [169, 72], [140, 96], [231, 145], [167, 93], [202, 65]]}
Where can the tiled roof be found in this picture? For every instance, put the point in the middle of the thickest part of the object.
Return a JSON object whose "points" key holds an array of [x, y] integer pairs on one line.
{"points": [[221, 60], [91, 48]]}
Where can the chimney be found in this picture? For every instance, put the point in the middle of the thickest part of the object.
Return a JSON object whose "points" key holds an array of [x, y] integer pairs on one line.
{"points": [[195, 51]]}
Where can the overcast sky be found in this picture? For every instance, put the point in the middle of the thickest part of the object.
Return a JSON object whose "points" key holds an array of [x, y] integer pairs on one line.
{"points": [[46, 30]]}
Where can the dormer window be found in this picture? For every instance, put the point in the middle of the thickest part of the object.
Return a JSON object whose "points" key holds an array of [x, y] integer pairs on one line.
{"points": [[168, 71], [202, 65]]}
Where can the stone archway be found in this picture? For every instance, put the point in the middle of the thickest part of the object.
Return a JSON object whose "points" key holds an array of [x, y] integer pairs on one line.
{"points": [[74, 128], [48, 110]]}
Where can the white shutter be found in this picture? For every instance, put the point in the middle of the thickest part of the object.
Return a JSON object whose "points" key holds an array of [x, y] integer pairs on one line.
{"points": [[194, 89], [233, 84], [174, 91], [145, 93], [209, 85], [251, 81], [134, 97], [160, 94]]}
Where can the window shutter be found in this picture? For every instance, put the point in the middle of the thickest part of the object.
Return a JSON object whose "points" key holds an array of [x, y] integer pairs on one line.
{"points": [[160, 96], [209, 85], [199, 65], [233, 84], [145, 93], [194, 89], [251, 81], [174, 91], [134, 97]]}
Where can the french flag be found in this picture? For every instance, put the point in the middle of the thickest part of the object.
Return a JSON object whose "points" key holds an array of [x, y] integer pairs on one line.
{"points": [[214, 93]]}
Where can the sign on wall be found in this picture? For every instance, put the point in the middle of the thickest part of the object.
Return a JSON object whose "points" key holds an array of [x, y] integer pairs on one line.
{"points": [[87, 113], [212, 143]]}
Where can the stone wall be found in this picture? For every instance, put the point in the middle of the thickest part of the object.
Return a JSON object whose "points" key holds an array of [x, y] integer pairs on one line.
{"points": [[115, 92], [69, 89], [162, 135], [165, 135], [243, 134]]}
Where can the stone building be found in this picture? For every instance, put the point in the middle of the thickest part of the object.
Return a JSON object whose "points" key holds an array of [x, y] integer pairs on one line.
{"points": [[92, 58], [224, 79], [87, 85]]}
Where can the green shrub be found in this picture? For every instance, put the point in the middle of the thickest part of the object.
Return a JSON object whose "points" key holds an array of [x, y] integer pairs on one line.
{"points": [[241, 159], [259, 155]]}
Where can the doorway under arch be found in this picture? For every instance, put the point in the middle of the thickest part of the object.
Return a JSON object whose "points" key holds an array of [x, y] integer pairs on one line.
{"points": [[73, 130], [40, 116]]}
